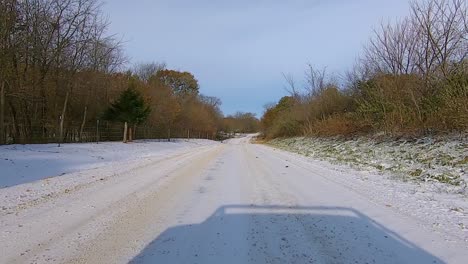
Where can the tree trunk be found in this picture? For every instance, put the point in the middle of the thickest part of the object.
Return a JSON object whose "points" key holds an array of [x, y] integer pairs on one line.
{"points": [[418, 110], [14, 120], [2, 114], [125, 133], [84, 116], [27, 128], [62, 117], [130, 134], [83, 123], [97, 131]]}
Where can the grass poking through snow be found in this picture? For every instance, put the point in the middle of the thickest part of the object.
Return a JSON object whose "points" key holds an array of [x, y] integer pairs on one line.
{"points": [[441, 160]]}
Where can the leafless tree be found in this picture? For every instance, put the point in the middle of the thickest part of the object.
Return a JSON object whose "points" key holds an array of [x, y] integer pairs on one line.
{"points": [[44, 44], [212, 101], [316, 80], [291, 85], [393, 48], [441, 34], [145, 70], [428, 42]]}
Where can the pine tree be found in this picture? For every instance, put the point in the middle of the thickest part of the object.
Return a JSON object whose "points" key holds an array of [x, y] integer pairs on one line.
{"points": [[130, 109]]}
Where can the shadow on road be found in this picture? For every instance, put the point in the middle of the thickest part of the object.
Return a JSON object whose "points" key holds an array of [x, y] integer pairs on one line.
{"points": [[278, 234]]}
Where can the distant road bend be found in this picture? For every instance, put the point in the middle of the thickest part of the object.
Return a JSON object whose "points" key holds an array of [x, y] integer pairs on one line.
{"points": [[234, 202]]}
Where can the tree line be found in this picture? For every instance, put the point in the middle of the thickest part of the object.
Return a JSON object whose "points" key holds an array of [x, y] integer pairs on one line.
{"points": [[241, 122], [412, 78], [63, 77]]}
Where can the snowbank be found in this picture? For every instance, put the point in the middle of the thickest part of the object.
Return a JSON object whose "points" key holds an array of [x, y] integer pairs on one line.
{"points": [[440, 162], [26, 163]]}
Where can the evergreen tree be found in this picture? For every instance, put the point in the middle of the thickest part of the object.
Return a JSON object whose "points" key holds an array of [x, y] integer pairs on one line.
{"points": [[130, 108]]}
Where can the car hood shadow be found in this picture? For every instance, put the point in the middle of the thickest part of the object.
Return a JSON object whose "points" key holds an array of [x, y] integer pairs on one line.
{"points": [[282, 234]]}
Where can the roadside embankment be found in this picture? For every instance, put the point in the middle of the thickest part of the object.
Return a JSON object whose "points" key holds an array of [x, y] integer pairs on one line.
{"points": [[439, 161]]}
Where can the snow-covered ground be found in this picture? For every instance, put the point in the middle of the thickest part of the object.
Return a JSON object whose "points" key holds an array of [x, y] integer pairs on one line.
{"points": [[441, 162], [26, 163], [229, 203]]}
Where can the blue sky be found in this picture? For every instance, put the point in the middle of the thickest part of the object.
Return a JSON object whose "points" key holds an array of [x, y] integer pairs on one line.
{"points": [[238, 50]]}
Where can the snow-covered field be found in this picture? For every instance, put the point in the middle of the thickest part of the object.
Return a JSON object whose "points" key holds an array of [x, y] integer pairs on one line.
{"points": [[442, 162], [26, 163]]}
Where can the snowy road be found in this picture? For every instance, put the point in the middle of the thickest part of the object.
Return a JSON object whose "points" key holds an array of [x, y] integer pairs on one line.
{"points": [[223, 203]]}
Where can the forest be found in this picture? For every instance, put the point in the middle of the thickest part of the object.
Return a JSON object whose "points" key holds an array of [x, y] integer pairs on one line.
{"points": [[65, 78], [410, 80]]}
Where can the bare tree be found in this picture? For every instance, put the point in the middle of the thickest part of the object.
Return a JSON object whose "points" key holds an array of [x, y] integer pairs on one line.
{"points": [[316, 80], [428, 42], [7, 18], [291, 85], [393, 48], [441, 34], [211, 101], [44, 44], [145, 70]]}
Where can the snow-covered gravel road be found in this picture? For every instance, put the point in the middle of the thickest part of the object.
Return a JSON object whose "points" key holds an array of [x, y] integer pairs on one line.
{"points": [[218, 203]]}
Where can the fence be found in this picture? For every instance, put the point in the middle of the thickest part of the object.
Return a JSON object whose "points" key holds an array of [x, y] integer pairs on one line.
{"points": [[100, 131]]}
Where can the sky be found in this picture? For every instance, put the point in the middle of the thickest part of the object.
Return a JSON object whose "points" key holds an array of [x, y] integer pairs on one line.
{"points": [[238, 50]]}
